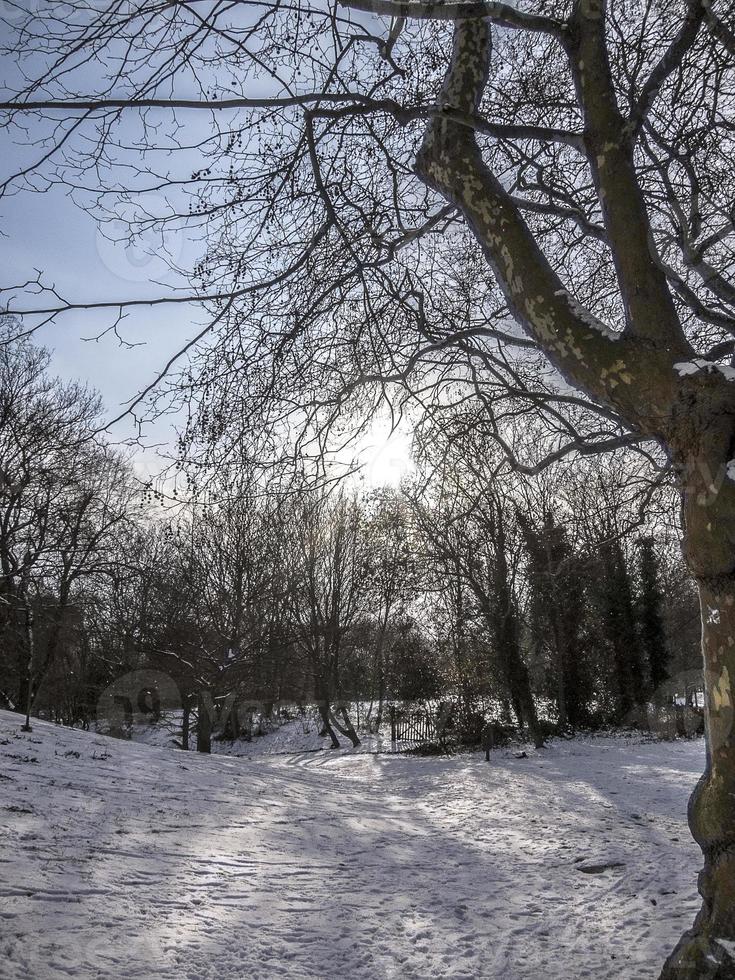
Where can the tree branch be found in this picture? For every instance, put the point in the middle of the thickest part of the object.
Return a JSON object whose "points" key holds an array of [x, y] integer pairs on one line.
{"points": [[649, 307], [586, 352], [670, 61], [721, 31], [351, 103], [502, 14]]}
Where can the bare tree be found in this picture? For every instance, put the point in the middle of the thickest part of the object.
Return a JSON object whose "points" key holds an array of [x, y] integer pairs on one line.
{"points": [[326, 597], [62, 495], [579, 152], [390, 576], [99, 497], [467, 528]]}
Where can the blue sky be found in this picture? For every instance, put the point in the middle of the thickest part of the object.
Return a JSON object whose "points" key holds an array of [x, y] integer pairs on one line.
{"points": [[47, 232]]}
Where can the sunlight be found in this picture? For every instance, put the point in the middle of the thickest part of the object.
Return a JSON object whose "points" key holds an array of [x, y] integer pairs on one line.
{"points": [[385, 458]]}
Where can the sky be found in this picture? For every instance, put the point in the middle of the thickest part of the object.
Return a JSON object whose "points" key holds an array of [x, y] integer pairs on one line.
{"points": [[47, 232]]}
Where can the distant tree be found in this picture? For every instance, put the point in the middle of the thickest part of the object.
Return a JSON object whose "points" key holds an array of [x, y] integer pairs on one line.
{"points": [[476, 563], [414, 668], [98, 499], [555, 575], [617, 628], [391, 576], [650, 615], [326, 596], [63, 494]]}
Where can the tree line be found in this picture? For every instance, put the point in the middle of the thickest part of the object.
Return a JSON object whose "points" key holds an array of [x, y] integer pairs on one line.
{"points": [[542, 604]]}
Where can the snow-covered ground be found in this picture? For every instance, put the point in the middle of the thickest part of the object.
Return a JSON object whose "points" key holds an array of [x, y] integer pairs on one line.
{"points": [[121, 860]]}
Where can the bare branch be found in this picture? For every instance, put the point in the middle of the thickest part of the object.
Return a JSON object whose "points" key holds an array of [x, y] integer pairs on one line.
{"points": [[669, 63], [502, 14]]}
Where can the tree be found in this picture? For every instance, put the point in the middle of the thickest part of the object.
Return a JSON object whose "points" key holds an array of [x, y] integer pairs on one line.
{"points": [[585, 145], [63, 495], [390, 570], [557, 602], [99, 497], [615, 601], [414, 669], [650, 616], [467, 532], [327, 596], [216, 617]]}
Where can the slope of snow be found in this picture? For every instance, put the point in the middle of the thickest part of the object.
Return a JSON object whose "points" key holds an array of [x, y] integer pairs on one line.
{"points": [[122, 860]]}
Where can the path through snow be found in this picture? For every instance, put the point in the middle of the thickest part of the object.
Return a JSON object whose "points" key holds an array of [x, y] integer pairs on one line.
{"points": [[119, 860]]}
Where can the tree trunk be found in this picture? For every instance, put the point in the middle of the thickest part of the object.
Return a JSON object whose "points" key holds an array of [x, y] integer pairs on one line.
{"points": [[204, 722], [323, 702], [517, 711], [504, 628], [30, 678], [574, 698], [349, 729], [185, 721], [52, 644], [561, 672], [707, 951], [521, 694], [381, 703], [21, 696], [561, 697], [326, 723], [507, 634], [381, 683]]}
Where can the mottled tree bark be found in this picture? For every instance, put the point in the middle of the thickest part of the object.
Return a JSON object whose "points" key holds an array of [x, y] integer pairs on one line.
{"points": [[707, 950]]}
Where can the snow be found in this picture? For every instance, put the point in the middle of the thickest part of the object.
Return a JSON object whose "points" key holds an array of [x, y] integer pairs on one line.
{"points": [[587, 317], [687, 368], [135, 861]]}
